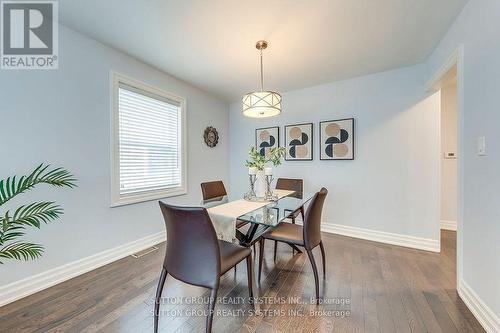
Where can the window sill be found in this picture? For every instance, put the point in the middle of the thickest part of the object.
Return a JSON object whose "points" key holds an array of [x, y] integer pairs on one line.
{"points": [[144, 197]]}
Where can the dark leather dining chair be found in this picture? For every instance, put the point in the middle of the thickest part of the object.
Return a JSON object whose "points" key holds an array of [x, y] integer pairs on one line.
{"points": [[215, 192], [290, 184], [195, 256], [308, 236]]}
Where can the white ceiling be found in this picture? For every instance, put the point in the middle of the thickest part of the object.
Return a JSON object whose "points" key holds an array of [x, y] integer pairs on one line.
{"points": [[210, 43]]}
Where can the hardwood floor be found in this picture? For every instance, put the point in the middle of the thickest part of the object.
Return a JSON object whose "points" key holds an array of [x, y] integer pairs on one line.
{"points": [[373, 288]]}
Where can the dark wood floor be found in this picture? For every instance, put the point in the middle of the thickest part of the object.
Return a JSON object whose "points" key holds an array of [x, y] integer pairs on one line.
{"points": [[373, 288]]}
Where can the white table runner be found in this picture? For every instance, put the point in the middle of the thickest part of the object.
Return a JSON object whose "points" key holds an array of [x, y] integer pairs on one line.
{"points": [[224, 216]]}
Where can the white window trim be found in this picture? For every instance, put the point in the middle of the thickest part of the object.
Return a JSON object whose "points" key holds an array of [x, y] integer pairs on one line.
{"points": [[116, 198]]}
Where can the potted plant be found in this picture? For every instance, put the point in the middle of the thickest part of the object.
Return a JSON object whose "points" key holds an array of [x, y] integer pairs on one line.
{"points": [[258, 166], [13, 225]]}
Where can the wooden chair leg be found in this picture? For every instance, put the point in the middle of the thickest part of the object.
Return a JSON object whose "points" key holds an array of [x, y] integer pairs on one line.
{"points": [[249, 276], [159, 290], [211, 307], [302, 213], [315, 270], [261, 256], [275, 249], [321, 246]]}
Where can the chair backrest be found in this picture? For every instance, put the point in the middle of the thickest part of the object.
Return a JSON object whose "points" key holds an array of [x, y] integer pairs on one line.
{"points": [[193, 253], [213, 191], [312, 223], [290, 184]]}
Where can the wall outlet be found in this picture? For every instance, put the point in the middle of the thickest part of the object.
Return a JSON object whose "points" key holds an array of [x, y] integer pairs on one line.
{"points": [[450, 155], [481, 146]]}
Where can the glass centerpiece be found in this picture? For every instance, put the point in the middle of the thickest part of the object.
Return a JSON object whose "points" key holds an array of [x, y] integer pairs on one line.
{"points": [[260, 173]]}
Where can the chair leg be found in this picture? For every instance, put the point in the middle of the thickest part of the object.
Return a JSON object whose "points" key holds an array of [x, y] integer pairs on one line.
{"points": [[211, 307], [261, 255], [323, 257], [315, 270], [302, 213], [249, 276], [293, 222], [159, 290], [275, 249]]}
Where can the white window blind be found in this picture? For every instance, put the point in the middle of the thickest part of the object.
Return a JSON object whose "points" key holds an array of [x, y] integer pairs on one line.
{"points": [[148, 145], [149, 142]]}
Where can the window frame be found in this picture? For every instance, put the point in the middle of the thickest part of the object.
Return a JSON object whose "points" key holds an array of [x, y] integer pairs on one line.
{"points": [[116, 198]]}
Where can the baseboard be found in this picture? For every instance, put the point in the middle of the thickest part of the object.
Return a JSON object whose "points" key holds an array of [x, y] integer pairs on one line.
{"points": [[22, 288], [383, 237], [485, 316], [449, 225]]}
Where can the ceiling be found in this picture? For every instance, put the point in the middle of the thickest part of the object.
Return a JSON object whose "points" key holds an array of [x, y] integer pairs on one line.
{"points": [[211, 43]]}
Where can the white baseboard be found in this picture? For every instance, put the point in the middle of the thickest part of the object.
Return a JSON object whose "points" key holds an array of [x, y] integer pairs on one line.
{"points": [[485, 316], [449, 225], [22, 288], [383, 237]]}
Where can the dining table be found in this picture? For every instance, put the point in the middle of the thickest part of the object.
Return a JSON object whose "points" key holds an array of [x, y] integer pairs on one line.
{"points": [[259, 215]]}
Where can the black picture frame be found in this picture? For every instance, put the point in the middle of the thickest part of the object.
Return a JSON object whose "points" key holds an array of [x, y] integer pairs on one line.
{"points": [[266, 128], [320, 136], [311, 141]]}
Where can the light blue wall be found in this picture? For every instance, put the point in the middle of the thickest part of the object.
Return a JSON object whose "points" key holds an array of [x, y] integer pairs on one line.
{"points": [[392, 184], [477, 28], [62, 117]]}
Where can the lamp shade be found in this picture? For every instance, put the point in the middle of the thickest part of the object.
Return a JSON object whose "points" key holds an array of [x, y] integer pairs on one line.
{"points": [[261, 104]]}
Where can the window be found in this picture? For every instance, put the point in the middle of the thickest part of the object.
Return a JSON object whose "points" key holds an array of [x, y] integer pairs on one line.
{"points": [[148, 155]]}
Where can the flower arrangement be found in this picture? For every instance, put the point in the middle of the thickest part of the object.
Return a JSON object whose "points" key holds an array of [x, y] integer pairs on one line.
{"points": [[258, 161]]}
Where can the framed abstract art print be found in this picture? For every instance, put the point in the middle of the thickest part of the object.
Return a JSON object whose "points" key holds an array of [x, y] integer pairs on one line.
{"points": [[266, 138], [299, 142], [336, 139]]}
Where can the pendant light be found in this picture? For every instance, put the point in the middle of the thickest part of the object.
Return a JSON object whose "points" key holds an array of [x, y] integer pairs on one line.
{"points": [[263, 103]]}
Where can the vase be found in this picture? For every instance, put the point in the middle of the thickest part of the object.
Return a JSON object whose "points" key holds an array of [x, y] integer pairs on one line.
{"points": [[260, 184]]}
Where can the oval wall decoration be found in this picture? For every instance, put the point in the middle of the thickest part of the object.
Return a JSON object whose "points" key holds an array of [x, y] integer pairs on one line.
{"points": [[211, 136]]}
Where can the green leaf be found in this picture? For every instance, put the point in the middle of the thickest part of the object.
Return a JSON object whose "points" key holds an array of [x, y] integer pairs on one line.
{"points": [[21, 251], [2, 190], [9, 187], [5, 221], [13, 226], [10, 235], [32, 215]]}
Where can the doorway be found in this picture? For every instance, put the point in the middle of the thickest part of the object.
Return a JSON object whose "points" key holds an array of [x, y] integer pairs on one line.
{"points": [[448, 79], [449, 163]]}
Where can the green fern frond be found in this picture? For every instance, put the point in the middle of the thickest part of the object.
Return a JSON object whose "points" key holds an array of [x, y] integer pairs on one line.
{"points": [[10, 235], [11, 187], [36, 213], [31, 215], [21, 251]]}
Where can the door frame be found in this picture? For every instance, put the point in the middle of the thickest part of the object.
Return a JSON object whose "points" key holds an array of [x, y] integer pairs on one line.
{"points": [[433, 85]]}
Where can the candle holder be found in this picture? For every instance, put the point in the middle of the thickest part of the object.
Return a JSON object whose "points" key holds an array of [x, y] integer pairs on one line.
{"points": [[269, 192], [251, 195]]}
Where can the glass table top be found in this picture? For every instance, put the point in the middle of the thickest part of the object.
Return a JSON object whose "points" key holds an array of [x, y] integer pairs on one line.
{"points": [[275, 212]]}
